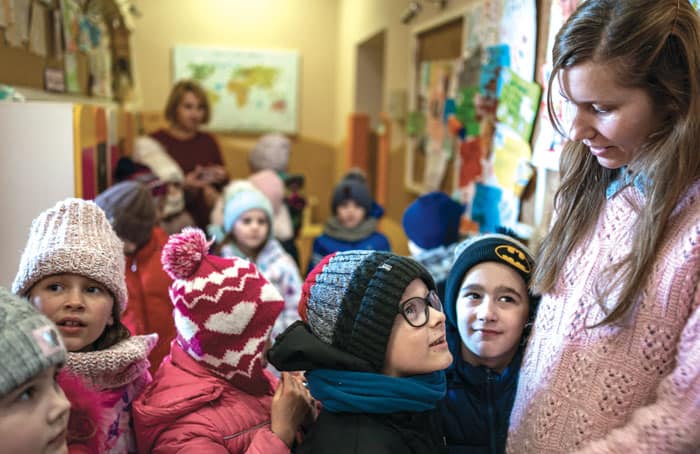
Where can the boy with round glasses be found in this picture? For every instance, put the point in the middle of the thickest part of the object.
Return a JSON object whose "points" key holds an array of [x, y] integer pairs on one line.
{"points": [[372, 342], [489, 312]]}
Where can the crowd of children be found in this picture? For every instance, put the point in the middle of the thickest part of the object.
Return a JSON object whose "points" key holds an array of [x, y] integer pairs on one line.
{"points": [[129, 329]]}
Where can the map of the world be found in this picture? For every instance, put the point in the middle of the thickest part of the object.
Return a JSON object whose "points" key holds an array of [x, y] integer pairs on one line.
{"points": [[249, 90]]}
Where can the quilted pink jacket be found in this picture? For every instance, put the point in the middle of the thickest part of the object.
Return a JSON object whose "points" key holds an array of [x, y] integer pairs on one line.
{"points": [[187, 409]]}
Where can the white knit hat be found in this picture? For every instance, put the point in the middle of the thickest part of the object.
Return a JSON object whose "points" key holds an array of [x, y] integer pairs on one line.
{"points": [[271, 151], [73, 237], [149, 152]]}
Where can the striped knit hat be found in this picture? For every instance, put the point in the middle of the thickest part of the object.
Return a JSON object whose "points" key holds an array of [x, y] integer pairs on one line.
{"points": [[350, 300], [224, 308], [73, 237]]}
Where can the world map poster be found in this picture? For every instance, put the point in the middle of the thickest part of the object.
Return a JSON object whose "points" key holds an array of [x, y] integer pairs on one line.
{"points": [[248, 90]]}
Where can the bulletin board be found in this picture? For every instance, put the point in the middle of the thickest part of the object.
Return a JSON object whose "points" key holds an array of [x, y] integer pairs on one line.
{"points": [[436, 47], [21, 64], [64, 46], [473, 110]]}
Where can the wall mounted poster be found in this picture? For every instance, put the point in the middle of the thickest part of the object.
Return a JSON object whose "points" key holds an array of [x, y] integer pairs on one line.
{"points": [[249, 90]]}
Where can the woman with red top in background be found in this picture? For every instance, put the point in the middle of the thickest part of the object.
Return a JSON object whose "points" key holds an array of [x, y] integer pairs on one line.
{"points": [[196, 152]]}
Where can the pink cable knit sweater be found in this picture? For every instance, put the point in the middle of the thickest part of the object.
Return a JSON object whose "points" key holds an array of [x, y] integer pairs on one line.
{"points": [[632, 389]]}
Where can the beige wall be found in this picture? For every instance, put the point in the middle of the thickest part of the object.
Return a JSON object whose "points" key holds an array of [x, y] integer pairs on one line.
{"points": [[359, 20], [308, 26], [327, 34]]}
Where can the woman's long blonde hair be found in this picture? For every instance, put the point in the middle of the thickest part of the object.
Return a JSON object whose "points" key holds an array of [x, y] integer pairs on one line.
{"points": [[653, 45]]}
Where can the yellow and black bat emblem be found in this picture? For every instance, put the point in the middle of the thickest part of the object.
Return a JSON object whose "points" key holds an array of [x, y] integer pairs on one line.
{"points": [[513, 256]]}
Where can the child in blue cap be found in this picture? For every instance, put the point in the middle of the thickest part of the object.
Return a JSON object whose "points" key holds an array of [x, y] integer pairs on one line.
{"points": [[489, 312]]}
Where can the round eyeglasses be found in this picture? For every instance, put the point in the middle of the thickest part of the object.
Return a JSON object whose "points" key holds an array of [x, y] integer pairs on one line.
{"points": [[416, 310]]}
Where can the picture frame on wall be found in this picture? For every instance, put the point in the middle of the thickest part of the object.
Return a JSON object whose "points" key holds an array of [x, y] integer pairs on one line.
{"points": [[249, 90], [54, 80]]}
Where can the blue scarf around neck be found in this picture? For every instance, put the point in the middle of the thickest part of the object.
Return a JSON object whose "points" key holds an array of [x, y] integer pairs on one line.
{"points": [[343, 391]]}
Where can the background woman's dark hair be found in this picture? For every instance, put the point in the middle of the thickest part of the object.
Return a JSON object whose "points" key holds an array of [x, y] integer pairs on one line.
{"points": [[653, 45]]}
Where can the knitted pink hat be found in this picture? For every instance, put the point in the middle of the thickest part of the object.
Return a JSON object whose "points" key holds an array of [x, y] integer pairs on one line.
{"points": [[270, 184], [224, 308], [73, 237]]}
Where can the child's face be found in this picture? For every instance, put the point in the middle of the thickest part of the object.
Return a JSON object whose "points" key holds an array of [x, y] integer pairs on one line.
{"points": [[34, 417], [411, 350], [251, 230], [350, 214], [492, 309], [80, 307]]}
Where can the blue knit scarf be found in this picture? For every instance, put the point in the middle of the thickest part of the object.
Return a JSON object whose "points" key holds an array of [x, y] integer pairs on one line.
{"points": [[365, 392]]}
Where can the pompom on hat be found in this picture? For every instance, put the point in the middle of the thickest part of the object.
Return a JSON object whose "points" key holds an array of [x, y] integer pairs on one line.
{"points": [[29, 342], [224, 309], [73, 237], [432, 220]]}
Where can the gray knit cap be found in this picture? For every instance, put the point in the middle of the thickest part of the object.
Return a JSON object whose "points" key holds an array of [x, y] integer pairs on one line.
{"points": [[270, 152], [130, 209], [29, 342], [73, 237], [354, 187], [350, 300]]}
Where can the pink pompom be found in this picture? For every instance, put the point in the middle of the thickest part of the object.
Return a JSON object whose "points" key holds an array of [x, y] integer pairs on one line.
{"points": [[184, 252]]}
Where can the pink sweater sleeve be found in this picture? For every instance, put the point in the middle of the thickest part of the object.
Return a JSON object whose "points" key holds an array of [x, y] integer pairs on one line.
{"points": [[671, 423]]}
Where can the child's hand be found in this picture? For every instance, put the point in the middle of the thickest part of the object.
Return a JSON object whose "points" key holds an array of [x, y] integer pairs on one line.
{"points": [[290, 406]]}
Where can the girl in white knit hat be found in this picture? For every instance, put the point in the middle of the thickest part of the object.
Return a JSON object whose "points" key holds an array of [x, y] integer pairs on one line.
{"points": [[72, 270]]}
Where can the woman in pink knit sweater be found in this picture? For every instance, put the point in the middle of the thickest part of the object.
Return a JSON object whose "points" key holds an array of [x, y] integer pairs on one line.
{"points": [[613, 365]]}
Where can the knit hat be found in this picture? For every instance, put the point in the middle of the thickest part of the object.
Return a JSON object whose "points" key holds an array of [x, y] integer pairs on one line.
{"points": [[352, 187], [270, 152], [130, 209], [241, 196], [432, 220], [270, 184], [350, 300], [149, 152], [29, 342], [492, 247], [73, 237], [224, 308]]}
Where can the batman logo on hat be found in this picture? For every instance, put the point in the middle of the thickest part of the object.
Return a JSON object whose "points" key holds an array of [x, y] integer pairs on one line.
{"points": [[513, 256]]}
